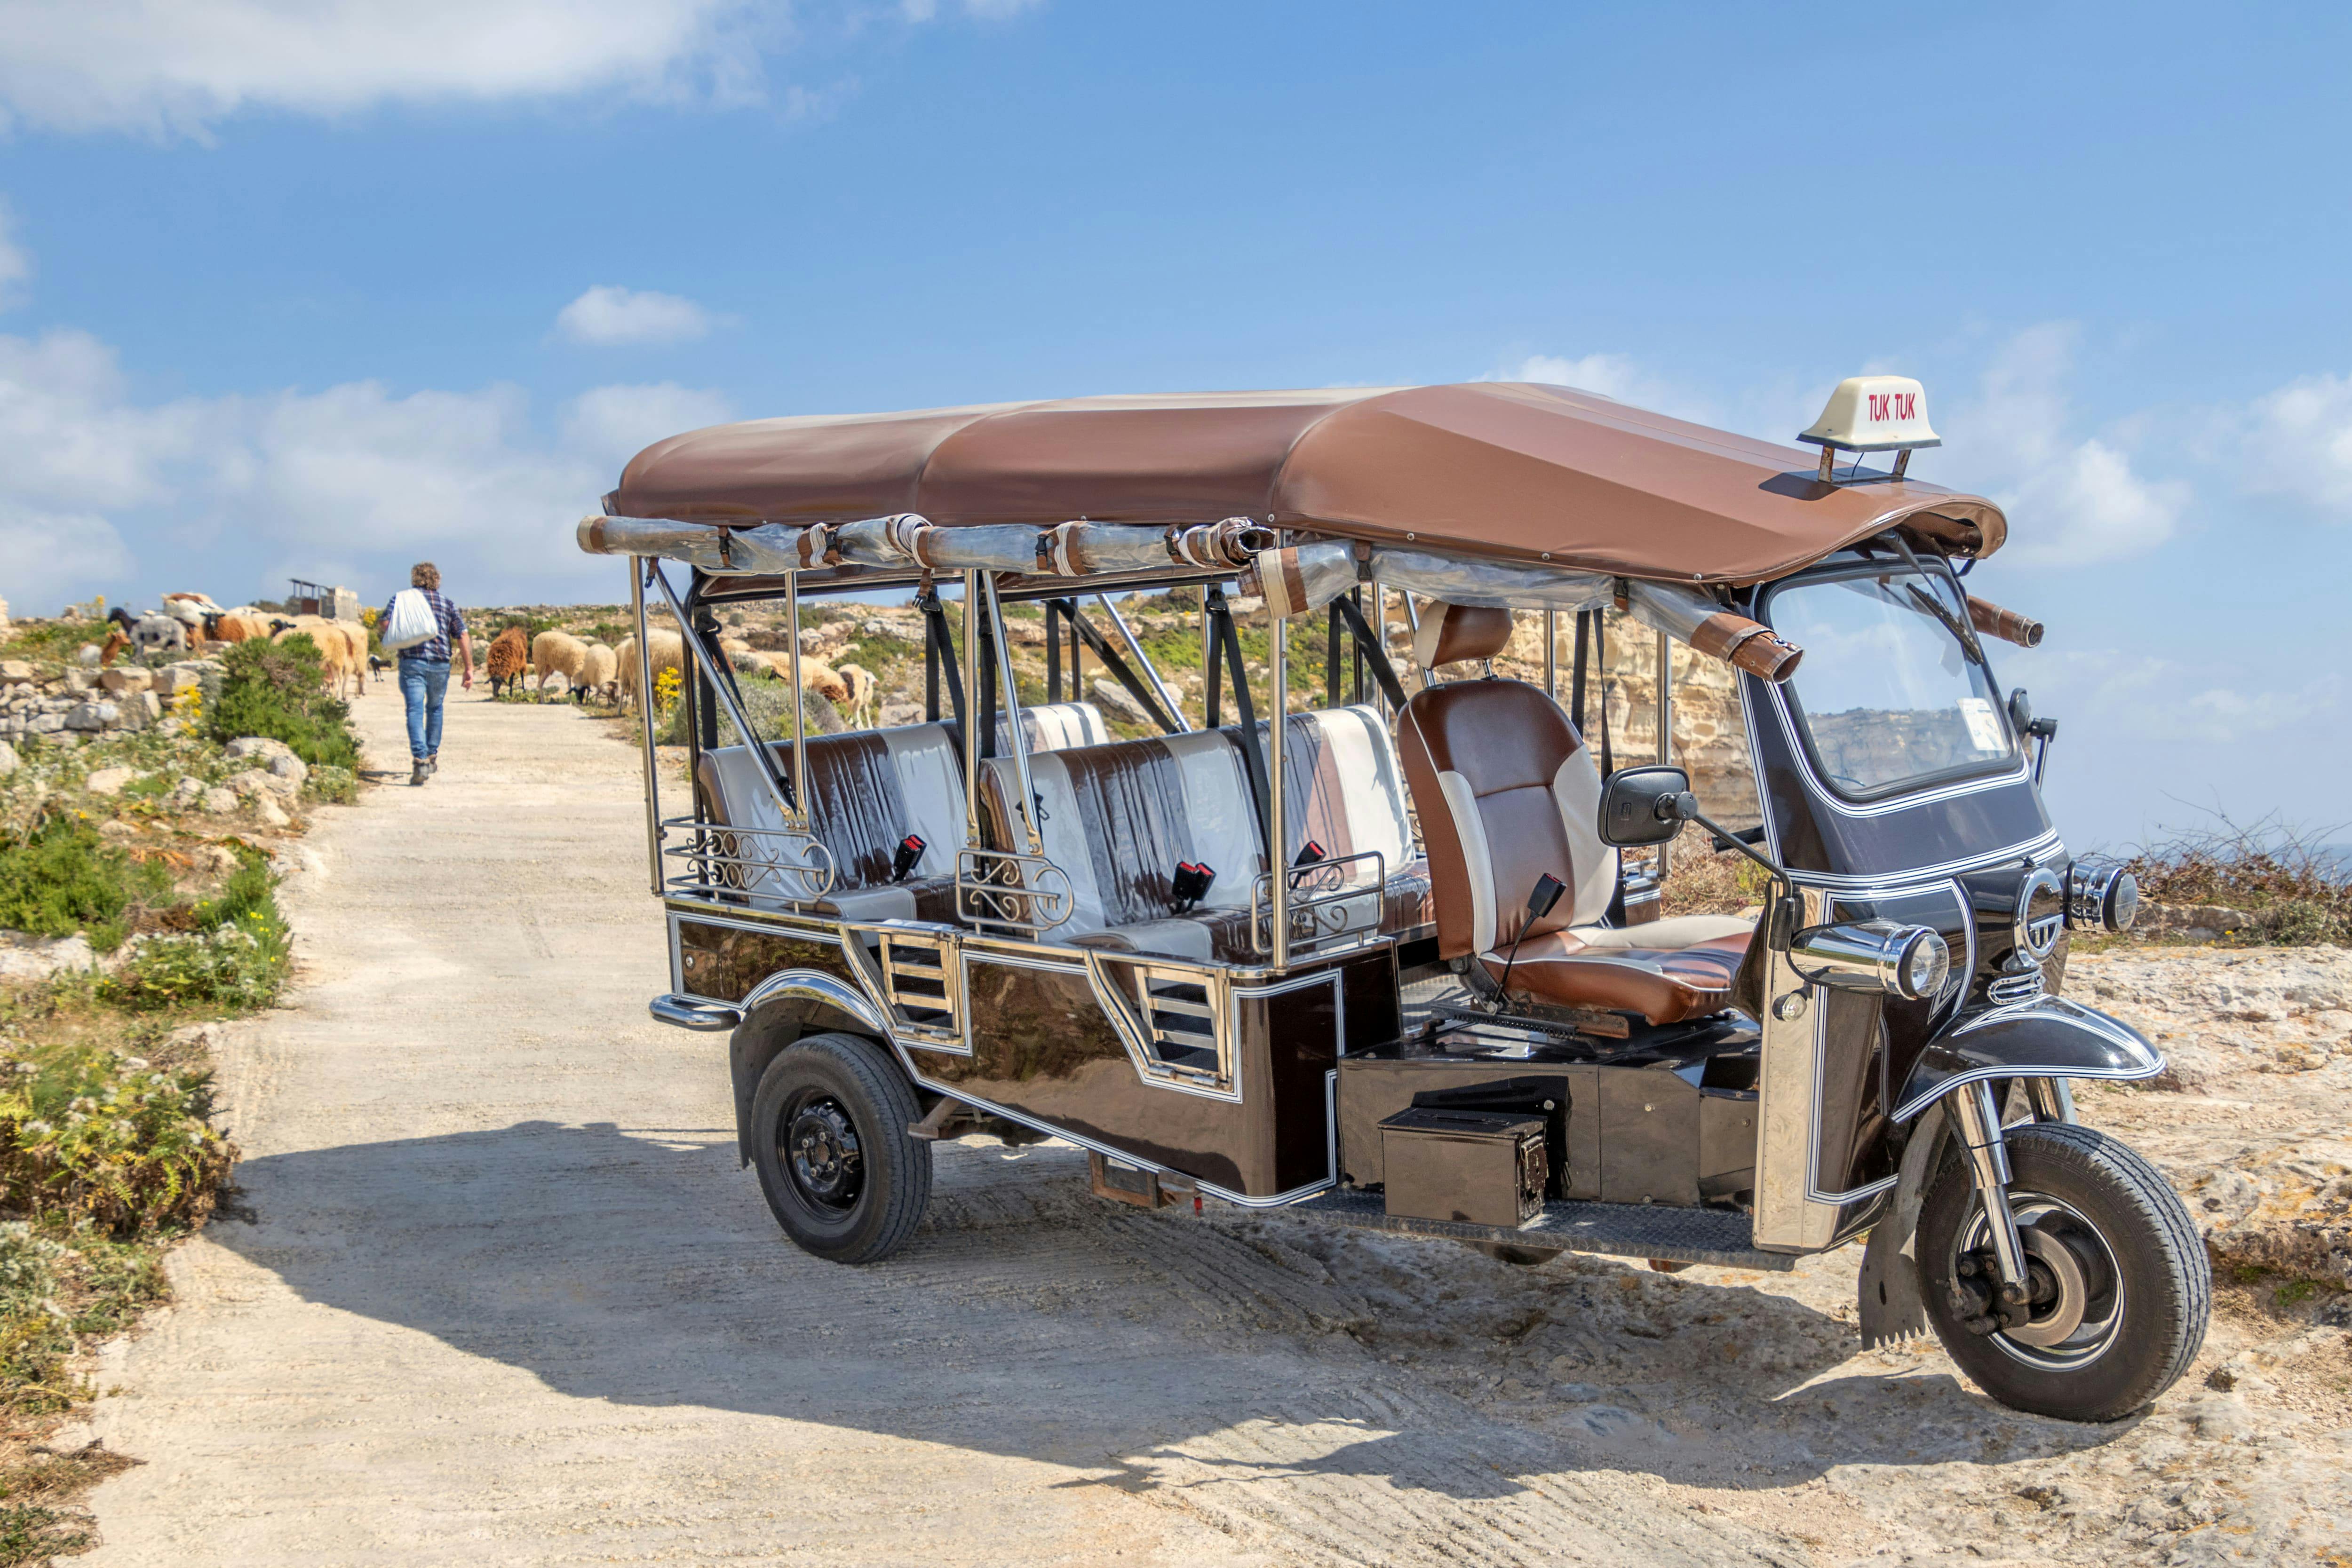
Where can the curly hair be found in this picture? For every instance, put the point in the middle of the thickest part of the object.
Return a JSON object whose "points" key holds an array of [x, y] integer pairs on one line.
{"points": [[424, 574]]}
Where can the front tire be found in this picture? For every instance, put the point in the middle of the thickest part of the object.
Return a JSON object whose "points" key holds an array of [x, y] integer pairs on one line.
{"points": [[829, 1140], [2122, 1289]]}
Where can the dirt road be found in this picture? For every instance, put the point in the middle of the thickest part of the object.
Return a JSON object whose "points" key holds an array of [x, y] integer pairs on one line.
{"points": [[503, 1297]]}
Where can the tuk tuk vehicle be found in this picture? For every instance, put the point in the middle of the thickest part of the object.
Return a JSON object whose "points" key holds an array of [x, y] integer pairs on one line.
{"points": [[1379, 960]]}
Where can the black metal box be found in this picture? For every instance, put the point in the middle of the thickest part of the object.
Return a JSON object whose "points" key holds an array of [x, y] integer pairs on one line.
{"points": [[1477, 1167]]}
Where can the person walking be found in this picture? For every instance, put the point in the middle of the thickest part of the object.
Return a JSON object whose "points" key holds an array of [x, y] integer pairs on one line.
{"points": [[425, 670]]}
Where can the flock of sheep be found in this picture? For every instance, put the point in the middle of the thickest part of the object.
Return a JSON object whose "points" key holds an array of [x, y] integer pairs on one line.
{"points": [[188, 623], [593, 670]]}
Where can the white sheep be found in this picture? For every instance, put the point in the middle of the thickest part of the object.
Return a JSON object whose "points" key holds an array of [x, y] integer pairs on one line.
{"points": [[667, 651], [557, 653], [598, 675], [862, 685]]}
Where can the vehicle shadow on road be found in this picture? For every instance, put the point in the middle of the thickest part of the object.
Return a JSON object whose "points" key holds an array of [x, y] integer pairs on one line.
{"points": [[1027, 1319]]}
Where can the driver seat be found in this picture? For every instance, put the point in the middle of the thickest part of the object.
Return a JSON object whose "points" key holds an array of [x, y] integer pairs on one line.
{"points": [[1506, 792]]}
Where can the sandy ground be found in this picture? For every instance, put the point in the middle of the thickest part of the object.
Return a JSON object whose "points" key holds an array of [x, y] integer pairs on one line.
{"points": [[501, 1295]]}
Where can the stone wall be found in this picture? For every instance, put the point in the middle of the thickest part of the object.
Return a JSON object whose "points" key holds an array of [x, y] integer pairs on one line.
{"points": [[65, 707]]}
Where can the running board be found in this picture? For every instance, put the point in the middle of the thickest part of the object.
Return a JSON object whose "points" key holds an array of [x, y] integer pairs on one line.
{"points": [[1722, 1237]]}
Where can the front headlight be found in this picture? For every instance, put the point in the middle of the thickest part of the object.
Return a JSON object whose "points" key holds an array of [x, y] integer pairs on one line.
{"points": [[1907, 961], [2102, 894]]}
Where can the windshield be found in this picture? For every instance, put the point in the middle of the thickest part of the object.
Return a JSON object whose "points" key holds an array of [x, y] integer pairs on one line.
{"points": [[1887, 694]]}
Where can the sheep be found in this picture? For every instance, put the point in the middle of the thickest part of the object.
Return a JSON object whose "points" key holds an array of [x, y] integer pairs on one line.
{"points": [[336, 650], [149, 633], [666, 650], [862, 687], [509, 651], [816, 675], [557, 653], [598, 675]]}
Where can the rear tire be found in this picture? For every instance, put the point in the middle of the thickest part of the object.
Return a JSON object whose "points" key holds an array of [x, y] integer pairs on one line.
{"points": [[829, 1140], [2124, 1291]]}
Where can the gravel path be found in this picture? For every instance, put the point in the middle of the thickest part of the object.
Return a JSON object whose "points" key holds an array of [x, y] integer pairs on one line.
{"points": [[504, 1297]]}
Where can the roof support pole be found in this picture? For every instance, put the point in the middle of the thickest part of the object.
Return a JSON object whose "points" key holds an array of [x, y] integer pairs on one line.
{"points": [[1665, 721], [1277, 836], [1143, 663], [971, 738], [637, 571], [1551, 654], [800, 705], [1028, 805]]}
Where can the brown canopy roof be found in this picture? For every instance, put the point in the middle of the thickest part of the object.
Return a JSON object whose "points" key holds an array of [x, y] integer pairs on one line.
{"points": [[1505, 470]]}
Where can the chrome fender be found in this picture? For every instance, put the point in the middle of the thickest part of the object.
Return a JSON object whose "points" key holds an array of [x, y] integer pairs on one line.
{"points": [[2048, 1037], [780, 1009]]}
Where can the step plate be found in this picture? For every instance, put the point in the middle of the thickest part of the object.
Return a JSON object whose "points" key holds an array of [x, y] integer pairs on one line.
{"points": [[1721, 1237]]}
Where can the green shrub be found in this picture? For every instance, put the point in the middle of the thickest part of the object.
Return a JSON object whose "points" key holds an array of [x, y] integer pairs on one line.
{"points": [[236, 958], [61, 877], [280, 690], [337, 786], [92, 1137]]}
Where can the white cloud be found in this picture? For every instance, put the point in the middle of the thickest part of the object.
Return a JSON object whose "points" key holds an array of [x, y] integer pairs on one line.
{"points": [[174, 67], [1617, 376], [15, 266], [986, 10], [2298, 443], [2121, 695], [613, 425], [2072, 500], [227, 494], [607, 316]]}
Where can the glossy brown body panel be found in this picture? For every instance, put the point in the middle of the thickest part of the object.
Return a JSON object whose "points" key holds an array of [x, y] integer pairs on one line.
{"points": [[726, 963]]}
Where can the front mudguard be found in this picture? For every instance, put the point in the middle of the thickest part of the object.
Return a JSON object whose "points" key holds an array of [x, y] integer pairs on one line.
{"points": [[2048, 1037]]}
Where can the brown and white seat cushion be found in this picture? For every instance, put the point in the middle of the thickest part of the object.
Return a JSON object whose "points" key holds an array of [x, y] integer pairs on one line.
{"points": [[868, 791], [1507, 793]]}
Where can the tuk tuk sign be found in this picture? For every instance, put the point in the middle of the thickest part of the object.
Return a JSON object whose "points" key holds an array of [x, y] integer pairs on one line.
{"points": [[1874, 413]]}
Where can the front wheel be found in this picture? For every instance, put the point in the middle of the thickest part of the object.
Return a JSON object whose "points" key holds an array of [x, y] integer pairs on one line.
{"points": [[829, 1139], [2121, 1291]]}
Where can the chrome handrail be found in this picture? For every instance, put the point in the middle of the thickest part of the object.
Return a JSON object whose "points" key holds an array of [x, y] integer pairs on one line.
{"points": [[717, 855], [1330, 889], [1004, 887]]}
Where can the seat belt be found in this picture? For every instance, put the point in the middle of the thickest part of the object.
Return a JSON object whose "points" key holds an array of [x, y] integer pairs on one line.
{"points": [[1252, 750], [939, 651], [1576, 682], [1371, 654]]}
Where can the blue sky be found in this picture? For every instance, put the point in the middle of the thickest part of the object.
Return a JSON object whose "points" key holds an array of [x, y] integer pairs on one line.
{"points": [[292, 289]]}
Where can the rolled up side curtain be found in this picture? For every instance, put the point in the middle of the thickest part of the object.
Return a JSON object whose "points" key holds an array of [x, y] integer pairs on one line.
{"points": [[770, 548], [1305, 578], [1992, 621]]}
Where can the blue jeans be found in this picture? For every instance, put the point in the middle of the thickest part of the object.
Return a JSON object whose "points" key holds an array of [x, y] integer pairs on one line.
{"points": [[423, 684]]}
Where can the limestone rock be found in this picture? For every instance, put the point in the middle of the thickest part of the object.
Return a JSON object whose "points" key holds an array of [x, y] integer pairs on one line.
{"points": [[80, 680], [92, 715], [259, 745], [127, 678], [219, 801], [108, 780], [1116, 699], [217, 858], [267, 813], [87, 656], [25, 957], [8, 759], [15, 672], [289, 767], [896, 714]]}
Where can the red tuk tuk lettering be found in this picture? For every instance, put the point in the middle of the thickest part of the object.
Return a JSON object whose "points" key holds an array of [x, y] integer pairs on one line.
{"points": [[1884, 406]]}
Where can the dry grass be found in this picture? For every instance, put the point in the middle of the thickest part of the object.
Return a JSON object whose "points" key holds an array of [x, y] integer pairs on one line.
{"points": [[1699, 882], [2275, 872]]}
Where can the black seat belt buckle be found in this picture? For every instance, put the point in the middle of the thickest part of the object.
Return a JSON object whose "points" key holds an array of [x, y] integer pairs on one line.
{"points": [[1189, 886], [902, 860], [1309, 854]]}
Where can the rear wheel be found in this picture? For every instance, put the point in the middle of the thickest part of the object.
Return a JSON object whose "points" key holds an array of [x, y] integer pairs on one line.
{"points": [[2120, 1288], [829, 1123]]}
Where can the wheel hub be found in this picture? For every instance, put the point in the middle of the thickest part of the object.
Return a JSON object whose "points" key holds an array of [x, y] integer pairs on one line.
{"points": [[2073, 1305], [822, 1148]]}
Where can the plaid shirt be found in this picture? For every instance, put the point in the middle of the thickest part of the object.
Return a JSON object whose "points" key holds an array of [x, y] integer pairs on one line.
{"points": [[445, 614]]}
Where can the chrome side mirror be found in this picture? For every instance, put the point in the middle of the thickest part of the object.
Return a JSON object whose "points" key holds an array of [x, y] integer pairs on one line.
{"points": [[1644, 806], [2021, 712]]}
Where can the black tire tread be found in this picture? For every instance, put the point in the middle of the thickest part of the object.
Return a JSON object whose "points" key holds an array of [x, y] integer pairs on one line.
{"points": [[888, 1088], [2125, 1174]]}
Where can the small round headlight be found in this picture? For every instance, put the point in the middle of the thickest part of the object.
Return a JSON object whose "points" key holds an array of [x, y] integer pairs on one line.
{"points": [[1926, 963], [2123, 902]]}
